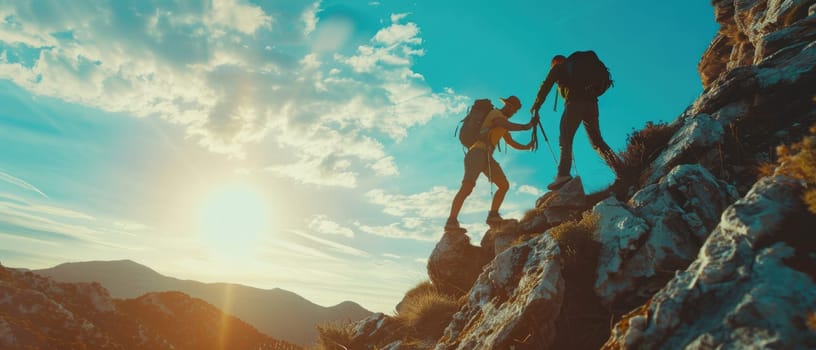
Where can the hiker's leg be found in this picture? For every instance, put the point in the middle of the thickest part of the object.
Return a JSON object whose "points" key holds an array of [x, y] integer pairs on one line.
{"points": [[475, 163], [570, 120], [459, 199], [593, 130], [501, 182]]}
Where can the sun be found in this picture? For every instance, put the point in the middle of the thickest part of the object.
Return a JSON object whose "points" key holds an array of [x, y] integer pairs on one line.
{"points": [[232, 220]]}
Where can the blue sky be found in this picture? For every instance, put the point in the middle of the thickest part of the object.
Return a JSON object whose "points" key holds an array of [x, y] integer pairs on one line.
{"points": [[294, 144]]}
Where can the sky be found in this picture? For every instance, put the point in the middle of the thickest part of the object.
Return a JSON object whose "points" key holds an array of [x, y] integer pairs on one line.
{"points": [[294, 144]]}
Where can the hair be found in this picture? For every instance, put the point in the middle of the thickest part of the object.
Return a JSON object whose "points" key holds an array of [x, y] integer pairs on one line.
{"points": [[557, 59]]}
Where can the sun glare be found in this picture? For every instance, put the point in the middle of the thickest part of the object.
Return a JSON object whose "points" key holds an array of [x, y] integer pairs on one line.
{"points": [[232, 220]]}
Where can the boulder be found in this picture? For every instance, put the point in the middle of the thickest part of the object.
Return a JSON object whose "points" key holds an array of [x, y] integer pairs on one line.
{"points": [[497, 239], [555, 207], [455, 264]]}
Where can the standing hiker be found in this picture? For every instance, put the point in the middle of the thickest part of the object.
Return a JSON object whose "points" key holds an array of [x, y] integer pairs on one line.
{"points": [[581, 79], [479, 158]]}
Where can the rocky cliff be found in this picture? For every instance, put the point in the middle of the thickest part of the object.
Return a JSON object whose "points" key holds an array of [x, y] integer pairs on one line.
{"points": [[695, 248]]}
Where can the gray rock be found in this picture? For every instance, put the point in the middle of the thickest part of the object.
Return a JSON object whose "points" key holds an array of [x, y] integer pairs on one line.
{"points": [[698, 133], [740, 292], [496, 240], [518, 296], [555, 207], [658, 233]]}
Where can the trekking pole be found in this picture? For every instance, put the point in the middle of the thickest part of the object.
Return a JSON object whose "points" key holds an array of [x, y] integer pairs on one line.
{"points": [[489, 172], [547, 141]]}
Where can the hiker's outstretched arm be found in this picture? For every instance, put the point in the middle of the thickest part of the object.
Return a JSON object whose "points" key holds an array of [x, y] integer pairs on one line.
{"points": [[504, 123], [545, 88], [513, 143]]}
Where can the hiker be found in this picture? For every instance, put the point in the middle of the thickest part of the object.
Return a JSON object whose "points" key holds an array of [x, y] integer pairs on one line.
{"points": [[479, 159], [580, 106]]}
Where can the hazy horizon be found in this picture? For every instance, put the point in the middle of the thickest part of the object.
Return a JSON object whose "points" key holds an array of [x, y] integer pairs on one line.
{"points": [[301, 145]]}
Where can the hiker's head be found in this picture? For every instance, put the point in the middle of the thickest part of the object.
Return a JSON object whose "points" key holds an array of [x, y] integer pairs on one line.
{"points": [[557, 59], [511, 105]]}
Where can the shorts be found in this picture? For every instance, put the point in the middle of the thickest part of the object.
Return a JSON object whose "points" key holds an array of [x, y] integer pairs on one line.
{"points": [[479, 161]]}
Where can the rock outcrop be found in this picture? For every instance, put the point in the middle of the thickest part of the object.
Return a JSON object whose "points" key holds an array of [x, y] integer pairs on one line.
{"points": [[658, 232], [455, 263], [744, 290], [514, 302], [752, 31]]}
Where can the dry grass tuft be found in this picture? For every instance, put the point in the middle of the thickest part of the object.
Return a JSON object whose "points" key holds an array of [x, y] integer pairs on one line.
{"points": [[811, 321], [334, 336], [766, 169], [577, 239], [643, 146], [799, 161], [425, 311]]}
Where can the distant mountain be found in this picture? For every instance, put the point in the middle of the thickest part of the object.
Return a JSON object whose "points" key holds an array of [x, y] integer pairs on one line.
{"points": [[277, 312], [38, 313]]}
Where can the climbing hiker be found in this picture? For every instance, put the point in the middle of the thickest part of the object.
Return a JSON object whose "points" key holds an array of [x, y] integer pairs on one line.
{"points": [[479, 157], [581, 78]]}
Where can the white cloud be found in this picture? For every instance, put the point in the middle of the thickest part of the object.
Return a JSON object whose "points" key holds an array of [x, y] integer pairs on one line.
{"points": [[309, 18], [395, 45], [310, 62], [318, 171], [431, 204], [321, 224], [399, 34], [530, 190], [245, 19], [400, 231], [6, 177], [334, 246], [396, 17], [234, 74], [54, 224]]}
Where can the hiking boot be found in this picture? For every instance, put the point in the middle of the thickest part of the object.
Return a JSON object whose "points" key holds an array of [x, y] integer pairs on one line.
{"points": [[493, 218], [559, 181], [452, 225]]}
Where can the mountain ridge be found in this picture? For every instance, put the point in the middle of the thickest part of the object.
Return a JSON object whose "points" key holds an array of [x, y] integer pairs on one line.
{"points": [[278, 312], [38, 313]]}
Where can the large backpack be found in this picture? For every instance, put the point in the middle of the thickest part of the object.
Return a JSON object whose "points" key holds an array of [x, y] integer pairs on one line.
{"points": [[471, 125], [587, 73]]}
